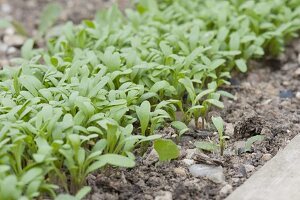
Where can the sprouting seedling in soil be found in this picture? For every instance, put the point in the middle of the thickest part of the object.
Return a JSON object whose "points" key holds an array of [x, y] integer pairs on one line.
{"points": [[219, 124]]}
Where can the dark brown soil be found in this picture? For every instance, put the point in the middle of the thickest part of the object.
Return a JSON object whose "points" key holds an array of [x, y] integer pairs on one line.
{"points": [[268, 103]]}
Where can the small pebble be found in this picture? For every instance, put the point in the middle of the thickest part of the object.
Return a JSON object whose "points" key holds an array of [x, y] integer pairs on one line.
{"points": [[226, 190], [249, 168], [188, 162], [9, 31], [164, 195], [286, 83], [179, 171], [298, 95], [266, 157], [6, 8], [3, 47], [229, 129], [190, 153], [297, 72], [213, 173], [285, 94], [13, 40], [11, 50], [239, 146]]}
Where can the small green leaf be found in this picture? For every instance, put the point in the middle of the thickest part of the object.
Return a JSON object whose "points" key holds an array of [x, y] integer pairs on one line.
{"points": [[31, 175], [166, 149], [180, 126], [218, 123], [241, 65], [207, 146], [234, 42], [26, 50], [143, 113], [111, 159], [250, 141], [83, 192], [215, 102]]}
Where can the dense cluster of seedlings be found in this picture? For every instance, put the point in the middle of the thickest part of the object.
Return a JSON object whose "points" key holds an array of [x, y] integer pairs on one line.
{"points": [[101, 89]]}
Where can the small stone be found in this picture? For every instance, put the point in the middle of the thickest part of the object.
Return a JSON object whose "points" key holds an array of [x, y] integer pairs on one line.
{"points": [[9, 31], [239, 146], [266, 157], [188, 162], [286, 83], [213, 173], [249, 168], [151, 158], [297, 72], [11, 50], [3, 63], [266, 131], [148, 197], [227, 189], [14, 40], [190, 153], [286, 94], [298, 95], [3, 47], [164, 195], [6, 8], [235, 180], [179, 171], [229, 129]]}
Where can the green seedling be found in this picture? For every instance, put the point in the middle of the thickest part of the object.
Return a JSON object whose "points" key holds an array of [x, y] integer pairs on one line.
{"points": [[206, 146], [219, 124], [250, 141], [166, 149]]}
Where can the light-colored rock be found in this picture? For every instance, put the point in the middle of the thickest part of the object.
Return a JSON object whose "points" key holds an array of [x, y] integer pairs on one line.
{"points": [[286, 83], [164, 195], [225, 190], [213, 173], [239, 145], [179, 171], [229, 129], [11, 50], [188, 162], [3, 47], [266, 157], [9, 31], [6, 8], [14, 40], [297, 72], [190, 153], [249, 168], [298, 95], [3, 63]]}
